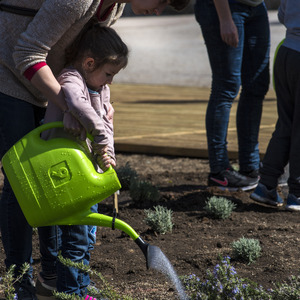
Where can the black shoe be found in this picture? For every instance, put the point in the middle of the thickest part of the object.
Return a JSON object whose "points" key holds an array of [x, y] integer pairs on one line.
{"points": [[232, 180], [25, 290], [251, 174]]}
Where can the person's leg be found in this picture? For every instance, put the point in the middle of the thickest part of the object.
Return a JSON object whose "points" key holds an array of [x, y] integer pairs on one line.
{"points": [[75, 244], [292, 63], [278, 150], [225, 62], [17, 118], [255, 84], [84, 279]]}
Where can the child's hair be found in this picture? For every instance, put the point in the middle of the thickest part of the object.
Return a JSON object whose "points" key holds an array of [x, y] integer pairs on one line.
{"points": [[101, 43]]}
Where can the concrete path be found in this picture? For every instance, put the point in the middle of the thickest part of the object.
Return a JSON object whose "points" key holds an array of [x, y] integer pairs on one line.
{"points": [[169, 50]]}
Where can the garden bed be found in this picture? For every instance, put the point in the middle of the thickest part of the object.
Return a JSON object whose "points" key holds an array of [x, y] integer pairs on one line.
{"points": [[196, 240]]}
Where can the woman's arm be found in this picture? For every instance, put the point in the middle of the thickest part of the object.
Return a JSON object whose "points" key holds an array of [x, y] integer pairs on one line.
{"points": [[228, 30], [47, 84]]}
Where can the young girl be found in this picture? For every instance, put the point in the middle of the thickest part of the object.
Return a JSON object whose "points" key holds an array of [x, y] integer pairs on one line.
{"points": [[95, 58]]}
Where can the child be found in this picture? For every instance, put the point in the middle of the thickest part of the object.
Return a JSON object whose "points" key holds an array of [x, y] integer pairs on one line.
{"points": [[284, 145], [96, 57]]}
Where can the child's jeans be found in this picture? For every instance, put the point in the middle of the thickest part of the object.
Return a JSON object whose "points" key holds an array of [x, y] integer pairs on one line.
{"points": [[74, 243]]}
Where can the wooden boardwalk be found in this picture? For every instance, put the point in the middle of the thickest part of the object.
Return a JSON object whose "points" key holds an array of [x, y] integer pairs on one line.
{"points": [[170, 120]]}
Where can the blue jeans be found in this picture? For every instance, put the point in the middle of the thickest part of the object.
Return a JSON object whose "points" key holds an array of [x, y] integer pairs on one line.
{"points": [[75, 243], [17, 118], [245, 67]]}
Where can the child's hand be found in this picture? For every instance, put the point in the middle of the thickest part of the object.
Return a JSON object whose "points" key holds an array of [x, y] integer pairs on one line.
{"points": [[103, 159]]}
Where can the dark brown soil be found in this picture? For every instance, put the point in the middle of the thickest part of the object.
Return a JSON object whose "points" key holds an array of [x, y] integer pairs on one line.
{"points": [[196, 240]]}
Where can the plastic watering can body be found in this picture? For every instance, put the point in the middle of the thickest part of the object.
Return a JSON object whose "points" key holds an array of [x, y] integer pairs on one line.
{"points": [[54, 181]]}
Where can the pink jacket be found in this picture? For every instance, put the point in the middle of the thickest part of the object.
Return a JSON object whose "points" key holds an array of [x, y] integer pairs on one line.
{"points": [[92, 109]]}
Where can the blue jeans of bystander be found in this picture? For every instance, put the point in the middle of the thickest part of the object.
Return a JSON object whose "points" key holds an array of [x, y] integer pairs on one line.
{"points": [[245, 67]]}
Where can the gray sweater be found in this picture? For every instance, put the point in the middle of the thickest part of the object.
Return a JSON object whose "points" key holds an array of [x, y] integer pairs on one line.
{"points": [[289, 16], [26, 41]]}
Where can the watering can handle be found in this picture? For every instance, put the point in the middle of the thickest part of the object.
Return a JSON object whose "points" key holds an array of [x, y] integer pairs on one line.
{"points": [[58, 124]]}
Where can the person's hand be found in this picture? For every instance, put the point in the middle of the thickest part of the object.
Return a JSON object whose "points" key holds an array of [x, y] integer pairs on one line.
{"points": [[73, 127], [104, 161], [229, 33]]}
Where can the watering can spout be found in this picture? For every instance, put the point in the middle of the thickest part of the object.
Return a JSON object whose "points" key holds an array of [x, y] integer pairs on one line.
{"points": [[144, 247]]}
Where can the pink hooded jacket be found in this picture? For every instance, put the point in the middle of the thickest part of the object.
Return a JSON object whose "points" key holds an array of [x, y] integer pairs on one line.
{"points": [[91, 108]]}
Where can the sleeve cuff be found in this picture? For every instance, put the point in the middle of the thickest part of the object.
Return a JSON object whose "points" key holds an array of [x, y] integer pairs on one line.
{"points": [[33, 69]]}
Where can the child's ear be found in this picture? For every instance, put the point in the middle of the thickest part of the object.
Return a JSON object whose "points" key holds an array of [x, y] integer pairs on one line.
{"points": [[89, 63]]}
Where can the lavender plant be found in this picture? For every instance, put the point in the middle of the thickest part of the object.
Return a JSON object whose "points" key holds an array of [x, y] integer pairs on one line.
{"points": [[223, 283], [8, 281], [125, 175], [159, 219], [287, 290], [247, 250], [142, 192], [219, 207]]}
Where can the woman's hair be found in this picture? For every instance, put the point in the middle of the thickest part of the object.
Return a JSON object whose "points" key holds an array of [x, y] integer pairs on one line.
{"points": [[179, 4], [103, 44]]}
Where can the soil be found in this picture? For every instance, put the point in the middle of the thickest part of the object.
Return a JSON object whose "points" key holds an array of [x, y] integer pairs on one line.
{"points": [[196, 240]]}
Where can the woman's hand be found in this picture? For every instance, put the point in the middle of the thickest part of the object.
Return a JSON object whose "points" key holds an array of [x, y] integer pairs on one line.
{"points": [[229, 33], [228, 30]]}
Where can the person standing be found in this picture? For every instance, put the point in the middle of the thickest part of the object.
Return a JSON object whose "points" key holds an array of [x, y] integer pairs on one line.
{"points": [[237, 37], [34, 37], [284, 145]]}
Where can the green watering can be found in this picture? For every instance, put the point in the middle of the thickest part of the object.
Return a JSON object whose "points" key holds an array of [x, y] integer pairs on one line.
{"points": [[56, 183]]}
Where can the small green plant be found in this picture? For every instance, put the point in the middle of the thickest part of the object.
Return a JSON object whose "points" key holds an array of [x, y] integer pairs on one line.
{"points": [[247, 250], [223, 283], [160, 220], [8, 281], [125, 175], [219, 207], [142, 192], [287, 290], [106, 292]]}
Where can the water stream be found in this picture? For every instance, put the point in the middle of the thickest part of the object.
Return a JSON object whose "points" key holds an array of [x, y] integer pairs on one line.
{"points": [[158, 261]]}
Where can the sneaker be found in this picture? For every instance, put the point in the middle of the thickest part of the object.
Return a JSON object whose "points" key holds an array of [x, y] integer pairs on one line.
{"points": [[251, 174], [293, 203], [45, 288], [263, 195], [232, 180], [25, 290]]}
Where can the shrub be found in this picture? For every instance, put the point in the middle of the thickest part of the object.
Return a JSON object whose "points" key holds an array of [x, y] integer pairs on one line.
{"points": [[246, 249], [160, 220], [125, 175], [224, 284], [142, 192], [287, 290], [219, 207], [8, 281]]}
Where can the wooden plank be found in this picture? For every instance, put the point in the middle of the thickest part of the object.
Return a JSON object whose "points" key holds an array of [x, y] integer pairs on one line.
{"points": [[170, 120]]}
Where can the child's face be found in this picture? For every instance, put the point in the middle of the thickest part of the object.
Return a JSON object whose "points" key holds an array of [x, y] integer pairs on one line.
{"points": [[101, 76], [148, 7]]}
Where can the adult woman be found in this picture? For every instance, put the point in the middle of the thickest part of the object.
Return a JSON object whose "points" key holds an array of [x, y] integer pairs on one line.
{"points": [[237, 37], [31, 56]]}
